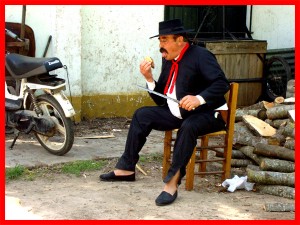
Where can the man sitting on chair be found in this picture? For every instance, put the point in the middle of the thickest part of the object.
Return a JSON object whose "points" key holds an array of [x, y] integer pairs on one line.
{"points": [[192, 75]]}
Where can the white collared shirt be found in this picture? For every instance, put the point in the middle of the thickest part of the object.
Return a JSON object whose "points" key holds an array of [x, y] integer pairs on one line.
{"points": [[174, 107]]}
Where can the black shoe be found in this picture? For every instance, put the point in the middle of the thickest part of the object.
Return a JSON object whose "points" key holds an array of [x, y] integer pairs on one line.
{"points": [[165, 198], [111, 176]]}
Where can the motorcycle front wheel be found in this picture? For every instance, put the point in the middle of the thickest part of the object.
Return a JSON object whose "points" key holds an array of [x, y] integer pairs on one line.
{"points": [[62, 140]]}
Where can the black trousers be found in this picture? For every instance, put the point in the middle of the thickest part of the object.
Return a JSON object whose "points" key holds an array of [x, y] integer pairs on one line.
{"points": [[160, 118]]}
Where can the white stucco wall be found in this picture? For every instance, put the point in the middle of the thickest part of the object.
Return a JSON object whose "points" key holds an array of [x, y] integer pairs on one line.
{"points": [[63, 23], [276, 24], [103, 45], [115, 39]]}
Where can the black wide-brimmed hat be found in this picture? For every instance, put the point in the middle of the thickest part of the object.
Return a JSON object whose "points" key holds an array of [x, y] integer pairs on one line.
{"points": [[171, 27]]}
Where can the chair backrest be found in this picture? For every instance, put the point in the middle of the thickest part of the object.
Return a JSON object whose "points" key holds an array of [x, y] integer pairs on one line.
{"points": [[231, 98]]}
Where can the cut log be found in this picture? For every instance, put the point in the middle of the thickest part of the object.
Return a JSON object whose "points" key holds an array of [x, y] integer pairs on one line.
{"points": [[279, 112], [258, 126], [266, 164], [291, 115], [274, 151], [243, 136], [241, 162], [262, 114], [290, 143], [259, 105], [279, 100], [279, 207], [277, 190], [253, 167], [277, 165], [277, 123], [271, 178], [278, 139], [289, 130], [235, 154], [239, 113], [269, 105], [248, 151]]}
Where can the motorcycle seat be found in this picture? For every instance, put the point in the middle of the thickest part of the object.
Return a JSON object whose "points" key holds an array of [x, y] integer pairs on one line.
{"points": [[21, 66]]}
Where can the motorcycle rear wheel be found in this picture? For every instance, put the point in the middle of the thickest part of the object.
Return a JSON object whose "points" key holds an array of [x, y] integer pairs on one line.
{"points": [[62, 141], [278, 73]]}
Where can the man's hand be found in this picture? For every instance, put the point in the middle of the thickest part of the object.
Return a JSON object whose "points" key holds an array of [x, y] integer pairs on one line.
{"points": [[189, 102], [145, 69]]}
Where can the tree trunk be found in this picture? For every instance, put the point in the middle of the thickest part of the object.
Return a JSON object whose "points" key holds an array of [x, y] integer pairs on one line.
{"points": [[279, 112], [277, 190], [277, 165], [279, 207], [271, 178], [278, 152]]}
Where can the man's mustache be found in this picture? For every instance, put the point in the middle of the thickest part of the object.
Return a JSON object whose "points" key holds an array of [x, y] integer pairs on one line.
{"points": [[163, 50]]}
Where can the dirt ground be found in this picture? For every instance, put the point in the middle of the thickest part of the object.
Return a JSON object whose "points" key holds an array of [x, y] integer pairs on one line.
{"points": [[61, 196]]}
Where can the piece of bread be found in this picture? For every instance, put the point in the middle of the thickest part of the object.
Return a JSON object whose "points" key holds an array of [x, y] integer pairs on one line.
{"points": [[149, 59]]}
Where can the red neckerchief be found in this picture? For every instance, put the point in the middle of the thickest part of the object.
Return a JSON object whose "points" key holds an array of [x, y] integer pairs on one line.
{"points": [[174, 69]]}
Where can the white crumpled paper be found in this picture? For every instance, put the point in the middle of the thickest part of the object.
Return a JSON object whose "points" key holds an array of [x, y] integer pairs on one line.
{"points": [[237, 183]]}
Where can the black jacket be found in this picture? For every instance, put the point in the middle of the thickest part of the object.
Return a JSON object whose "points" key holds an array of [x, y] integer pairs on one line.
{"points": [[199, 74]]}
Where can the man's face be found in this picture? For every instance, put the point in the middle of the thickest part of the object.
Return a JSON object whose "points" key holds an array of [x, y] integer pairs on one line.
{"points": [[170, 47]]}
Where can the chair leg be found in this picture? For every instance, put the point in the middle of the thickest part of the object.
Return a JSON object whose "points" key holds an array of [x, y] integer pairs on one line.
{"points": [[190, 172], [203, 154], [167, 153], [227, 162]]}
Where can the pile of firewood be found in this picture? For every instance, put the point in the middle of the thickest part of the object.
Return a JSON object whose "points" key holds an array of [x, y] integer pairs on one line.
{"points": [[264, 143]]}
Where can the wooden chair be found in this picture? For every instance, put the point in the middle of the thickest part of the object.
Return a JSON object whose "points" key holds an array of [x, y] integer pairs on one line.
{"points": [[203, 147]]}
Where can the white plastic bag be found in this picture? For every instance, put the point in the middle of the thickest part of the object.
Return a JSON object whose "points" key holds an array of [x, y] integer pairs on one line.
{"points": [[238, 183]]}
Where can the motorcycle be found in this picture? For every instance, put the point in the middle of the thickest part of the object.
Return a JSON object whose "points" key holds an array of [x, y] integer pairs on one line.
{"points": [[35, 102]]}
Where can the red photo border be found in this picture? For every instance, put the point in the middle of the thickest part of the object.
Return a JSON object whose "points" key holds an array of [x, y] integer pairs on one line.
{"points": [[129, 2]]}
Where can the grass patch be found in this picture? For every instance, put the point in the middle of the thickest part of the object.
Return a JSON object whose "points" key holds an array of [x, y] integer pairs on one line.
{"points": [[15, 172], [79, 167], [154, 157], [76, 168]]}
